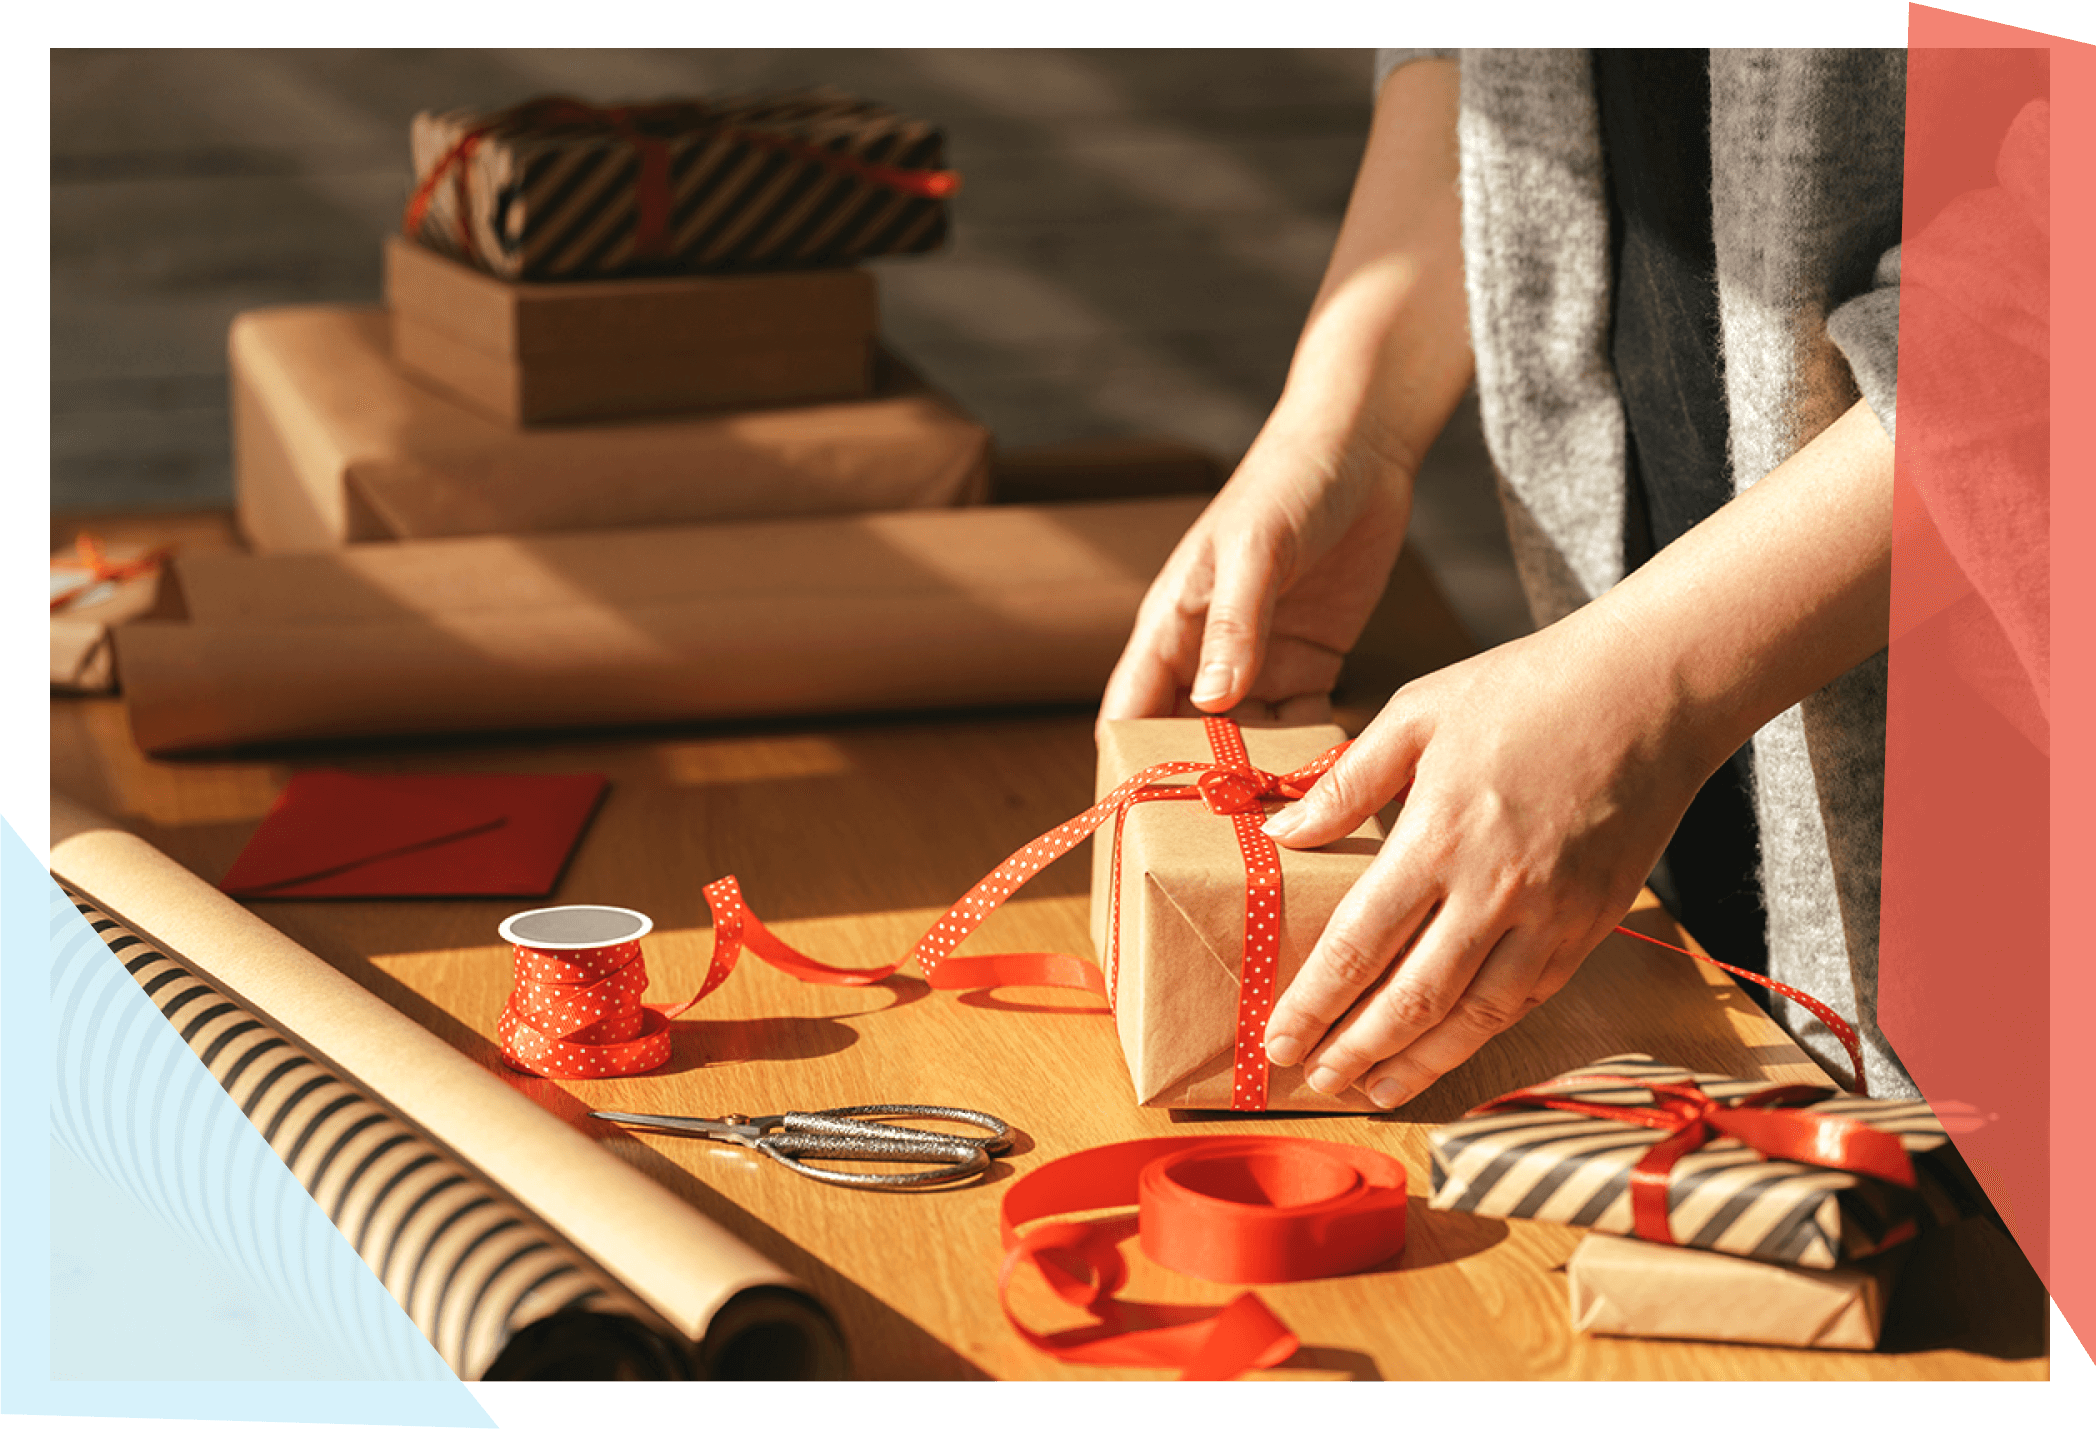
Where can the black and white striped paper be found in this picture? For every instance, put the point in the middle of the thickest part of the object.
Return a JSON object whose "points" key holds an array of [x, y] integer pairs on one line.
{"points": [[496, 1291], [562, 204], [1536, 1164]]}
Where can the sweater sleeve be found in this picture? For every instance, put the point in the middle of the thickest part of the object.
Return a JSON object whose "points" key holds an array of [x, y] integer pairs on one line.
{"points": [[1864, 331], [1390, 60]]}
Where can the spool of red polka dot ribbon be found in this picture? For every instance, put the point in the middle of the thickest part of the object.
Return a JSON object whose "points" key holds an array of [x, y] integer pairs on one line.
{"points": [[575, 1009]]}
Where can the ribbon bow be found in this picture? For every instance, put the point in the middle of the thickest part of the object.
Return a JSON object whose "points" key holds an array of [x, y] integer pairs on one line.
{"points": [[92, 556], [1767, 1121]]}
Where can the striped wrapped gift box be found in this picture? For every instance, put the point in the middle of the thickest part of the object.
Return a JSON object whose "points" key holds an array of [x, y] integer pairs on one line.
{"points": [[557, 189], [1551, 1165]]}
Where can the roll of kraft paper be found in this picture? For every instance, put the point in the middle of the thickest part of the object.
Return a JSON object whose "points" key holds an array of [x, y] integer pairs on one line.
{"points": [[652, 1287], [895, 611]]}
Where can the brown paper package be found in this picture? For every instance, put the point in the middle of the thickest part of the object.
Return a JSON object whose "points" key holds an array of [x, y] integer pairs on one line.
{"points": [[900, 610], [1184, 916], [333, 444], [1617, 1286], [540, 352]]}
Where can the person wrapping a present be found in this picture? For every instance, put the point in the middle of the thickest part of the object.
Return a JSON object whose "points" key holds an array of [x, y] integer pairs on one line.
{"points": [[1673, 277]]}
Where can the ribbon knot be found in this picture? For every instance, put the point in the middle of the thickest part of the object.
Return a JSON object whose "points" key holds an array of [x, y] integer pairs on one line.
{"points": [[1227, 791]]}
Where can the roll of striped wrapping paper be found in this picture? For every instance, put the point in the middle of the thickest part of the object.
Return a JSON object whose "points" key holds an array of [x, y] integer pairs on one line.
{"points": [[1536, 1163], [553, 189], [497, 1291]]}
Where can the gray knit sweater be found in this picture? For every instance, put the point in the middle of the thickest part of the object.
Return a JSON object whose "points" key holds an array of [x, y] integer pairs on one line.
{"points": [[1807, 212]]}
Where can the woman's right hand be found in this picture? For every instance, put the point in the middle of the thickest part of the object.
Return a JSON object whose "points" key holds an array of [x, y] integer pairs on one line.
{"points": [[1271, 586], [1274, 582]]}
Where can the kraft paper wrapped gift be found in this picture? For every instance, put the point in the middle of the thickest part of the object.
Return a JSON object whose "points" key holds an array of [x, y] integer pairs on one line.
{"points": [[898, 610], [1617, 1286], [554, 189], [538, 352], [334, 444], [1567, 1166], [1183, 920]]}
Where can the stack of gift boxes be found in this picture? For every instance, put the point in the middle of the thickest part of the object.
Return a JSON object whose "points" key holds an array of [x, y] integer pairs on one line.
{"points": [[606, 318], [624, 445]]}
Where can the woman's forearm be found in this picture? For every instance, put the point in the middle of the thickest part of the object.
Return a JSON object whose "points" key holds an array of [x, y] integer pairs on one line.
{"points": [[1385, 354], [1769, 599]]}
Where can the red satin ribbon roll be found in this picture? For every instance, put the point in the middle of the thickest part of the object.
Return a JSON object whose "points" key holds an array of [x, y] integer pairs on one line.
{"points": [[1248, 1210]]}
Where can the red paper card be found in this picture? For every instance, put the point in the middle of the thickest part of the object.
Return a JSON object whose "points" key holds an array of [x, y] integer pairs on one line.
{"points": [[337, 835]]}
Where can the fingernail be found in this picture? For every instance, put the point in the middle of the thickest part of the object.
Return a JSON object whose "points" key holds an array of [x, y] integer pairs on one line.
{"points": [[1284, 1051], [1325, 1081], [1389, 1093], [1284, 821], [1212, 682]]}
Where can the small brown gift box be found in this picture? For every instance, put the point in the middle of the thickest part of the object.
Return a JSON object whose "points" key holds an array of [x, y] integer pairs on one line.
{"points": [[332, 444], [1547, 1164], [539, 352], [1617, 1286], [1183, 909]]}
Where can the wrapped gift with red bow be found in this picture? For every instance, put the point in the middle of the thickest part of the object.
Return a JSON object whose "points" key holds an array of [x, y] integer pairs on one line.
{"points": [[1794, 1174], [557, 189], [1199, 919]]}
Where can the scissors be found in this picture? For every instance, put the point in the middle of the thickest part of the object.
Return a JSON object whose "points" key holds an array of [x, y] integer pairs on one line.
{"points": [[850, 1133]]}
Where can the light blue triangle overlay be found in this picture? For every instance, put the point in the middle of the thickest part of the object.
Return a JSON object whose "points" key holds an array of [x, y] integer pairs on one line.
{"points": [[215, 1245]]}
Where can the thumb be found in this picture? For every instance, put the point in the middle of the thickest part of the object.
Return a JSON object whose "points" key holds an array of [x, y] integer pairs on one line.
{"points": [[1235, 630], [1377, 767]]}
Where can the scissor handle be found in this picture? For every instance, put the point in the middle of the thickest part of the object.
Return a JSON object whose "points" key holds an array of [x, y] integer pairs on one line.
{"points": [[842, 1134], [851, 1119]]}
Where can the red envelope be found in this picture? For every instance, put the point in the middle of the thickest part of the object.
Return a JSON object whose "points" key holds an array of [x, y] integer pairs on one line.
{"points": [[337, 835]]}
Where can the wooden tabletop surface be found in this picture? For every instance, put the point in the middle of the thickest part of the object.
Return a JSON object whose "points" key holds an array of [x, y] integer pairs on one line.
{"points": [[849, 838]]}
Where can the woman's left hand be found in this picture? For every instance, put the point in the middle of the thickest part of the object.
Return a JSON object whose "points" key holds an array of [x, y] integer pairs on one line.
{"points": [[1542, 780]]}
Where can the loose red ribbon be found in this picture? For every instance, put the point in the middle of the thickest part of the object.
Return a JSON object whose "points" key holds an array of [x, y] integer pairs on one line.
{"points": [[1246, 1210], [578, 1014], [1767, 1121], [652, 185]]}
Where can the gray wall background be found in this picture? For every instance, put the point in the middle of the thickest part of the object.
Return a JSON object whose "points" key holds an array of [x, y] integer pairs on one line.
{"points": [[1138, 238]]}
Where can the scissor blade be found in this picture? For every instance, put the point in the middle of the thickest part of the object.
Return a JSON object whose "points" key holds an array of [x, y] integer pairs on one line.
{"points": [[687, 1125]]}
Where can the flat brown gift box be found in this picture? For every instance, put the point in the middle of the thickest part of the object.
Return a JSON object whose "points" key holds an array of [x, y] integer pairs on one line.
{"points": [[538, 352], [1617, 1286], [1184, 916], [333, 443], [894, 611]]}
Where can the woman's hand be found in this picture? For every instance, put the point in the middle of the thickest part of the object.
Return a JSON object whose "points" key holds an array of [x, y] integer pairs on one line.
{"points": [[1269, 588], [1542, 779], [1273, 584]]}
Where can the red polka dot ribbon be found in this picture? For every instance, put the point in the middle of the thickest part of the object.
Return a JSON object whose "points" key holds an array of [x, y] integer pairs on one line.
{"points": [[578, 1013]]}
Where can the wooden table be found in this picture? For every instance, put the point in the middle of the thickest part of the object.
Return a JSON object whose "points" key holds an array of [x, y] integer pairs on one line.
{"points": [[849, 839]]}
